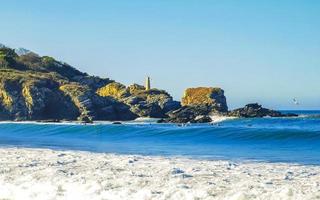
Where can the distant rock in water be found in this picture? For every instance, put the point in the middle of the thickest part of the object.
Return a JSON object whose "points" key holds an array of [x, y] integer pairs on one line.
{"points": [[209, 96], [198, 104], [255, 110], [192, 114]]}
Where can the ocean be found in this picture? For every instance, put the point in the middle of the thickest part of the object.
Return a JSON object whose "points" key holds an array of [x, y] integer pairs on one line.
{"points": [[289, 140]]}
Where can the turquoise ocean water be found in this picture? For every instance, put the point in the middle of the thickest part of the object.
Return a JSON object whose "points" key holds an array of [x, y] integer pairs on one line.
{"points": [[292, 140]]}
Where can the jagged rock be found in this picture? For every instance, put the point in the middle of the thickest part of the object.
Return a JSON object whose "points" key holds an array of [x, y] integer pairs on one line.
{"points": [[198, 104], [81, 97], [115, 90], [152, 103], [85, 119], [33, 98], [135, 89], [170, 105], [159, 100], [256, 110], [144, 109], [92, 82], [163, 99], [212, 97], [96, 107], [188, 114], [117, 111], [132, 100], [12, 102], [44, 100], [202, 119], [34, 87]]}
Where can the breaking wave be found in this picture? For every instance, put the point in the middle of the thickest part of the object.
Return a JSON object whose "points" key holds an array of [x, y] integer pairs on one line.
{"points": [[268, 139]]}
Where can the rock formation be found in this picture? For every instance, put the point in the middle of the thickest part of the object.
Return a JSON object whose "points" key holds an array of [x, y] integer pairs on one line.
{"points": [[34, 87], [212, 97], [115, 90], [41, 88], [190, 114], [198, 104], [144, 103], [256, 110]]}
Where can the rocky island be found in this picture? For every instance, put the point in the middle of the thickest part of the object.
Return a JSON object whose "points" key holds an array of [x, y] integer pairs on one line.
{"points": [[34, 87]]}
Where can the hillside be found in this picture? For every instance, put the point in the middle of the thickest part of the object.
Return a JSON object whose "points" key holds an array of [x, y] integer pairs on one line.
{"points": [[34, 87]]}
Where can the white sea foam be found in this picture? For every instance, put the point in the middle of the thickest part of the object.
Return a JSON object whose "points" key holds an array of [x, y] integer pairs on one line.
{"points": [[146, 120], [47, 174], [219, 118]]}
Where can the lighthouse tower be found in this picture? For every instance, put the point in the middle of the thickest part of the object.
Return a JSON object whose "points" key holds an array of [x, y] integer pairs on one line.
{"points": [[148, 84]]}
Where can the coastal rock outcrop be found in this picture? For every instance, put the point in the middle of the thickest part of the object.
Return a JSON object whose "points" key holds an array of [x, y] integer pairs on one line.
{"points": [[209, 96], [34, 87], [41, 88], [115, 90], [25, 96], [198, 104], [92, 82], [95, 107], [256, 110], [144, 103], [190, 114]]}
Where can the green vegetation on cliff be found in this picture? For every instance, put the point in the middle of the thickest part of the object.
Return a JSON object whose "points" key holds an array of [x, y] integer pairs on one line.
{"points": [[34, 87]]}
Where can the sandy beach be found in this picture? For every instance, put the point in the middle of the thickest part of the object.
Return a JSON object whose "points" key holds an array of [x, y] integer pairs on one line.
{"points": [[48, 174]]}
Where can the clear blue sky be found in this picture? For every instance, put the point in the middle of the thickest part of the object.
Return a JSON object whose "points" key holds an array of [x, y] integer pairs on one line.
{"points": [[265, 51]]}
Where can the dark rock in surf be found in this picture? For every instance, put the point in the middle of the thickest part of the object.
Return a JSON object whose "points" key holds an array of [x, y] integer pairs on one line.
{"points": [[188, 114], [255, 110]]}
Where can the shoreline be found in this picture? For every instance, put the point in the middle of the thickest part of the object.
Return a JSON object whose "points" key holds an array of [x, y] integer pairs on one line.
{"points": [[143, 120], [55, 174], [136, 121]]}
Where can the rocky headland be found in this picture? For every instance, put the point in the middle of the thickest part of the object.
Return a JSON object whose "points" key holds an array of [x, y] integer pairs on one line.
{"points": [[34, 87]]}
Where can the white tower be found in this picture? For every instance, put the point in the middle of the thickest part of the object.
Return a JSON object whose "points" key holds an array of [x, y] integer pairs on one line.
{"points": [[148, 84]]}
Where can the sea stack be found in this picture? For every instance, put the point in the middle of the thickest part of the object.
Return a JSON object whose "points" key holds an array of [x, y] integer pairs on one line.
{"points": [[208, 96]]}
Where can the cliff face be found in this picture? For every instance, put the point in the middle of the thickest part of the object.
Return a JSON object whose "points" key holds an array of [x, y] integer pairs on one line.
{"points": [[33, 96], [41, 88], [144, 103], [34, 87]]}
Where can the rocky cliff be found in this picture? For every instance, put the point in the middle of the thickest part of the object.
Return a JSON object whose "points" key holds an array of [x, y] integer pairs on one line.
{"points": [[40, 88], [34, 87], [144, 103]]}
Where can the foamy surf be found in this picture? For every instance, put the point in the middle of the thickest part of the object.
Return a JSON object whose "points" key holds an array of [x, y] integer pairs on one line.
{"points": [[146, 120], [218, 118], [41, 174]]}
